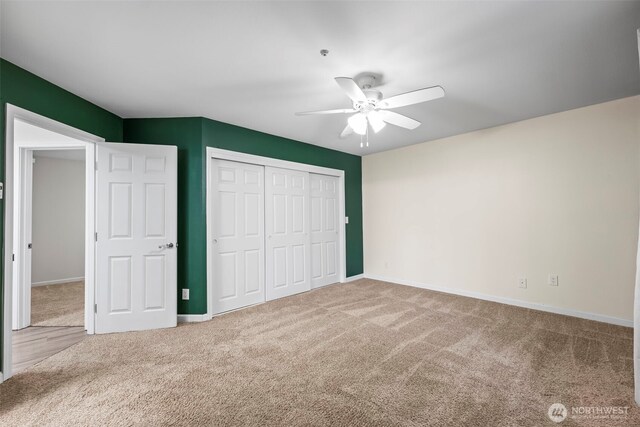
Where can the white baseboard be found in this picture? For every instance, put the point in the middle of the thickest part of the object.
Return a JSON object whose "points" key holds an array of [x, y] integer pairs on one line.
{"points": [[509, 301], [352, 278], [184, 318], [57, 281], [187, 318]]}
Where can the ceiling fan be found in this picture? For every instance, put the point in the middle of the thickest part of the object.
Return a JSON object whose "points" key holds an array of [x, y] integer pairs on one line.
{"points": [[371, 109]]}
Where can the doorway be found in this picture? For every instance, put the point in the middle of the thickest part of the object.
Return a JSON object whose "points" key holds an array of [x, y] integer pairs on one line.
{"points": [[54, 226], [49, 251], [52, 145], [130, 230]]}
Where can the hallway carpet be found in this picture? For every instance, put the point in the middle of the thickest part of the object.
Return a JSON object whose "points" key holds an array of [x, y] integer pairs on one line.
{"points": [[58, 305], [366, 353]]}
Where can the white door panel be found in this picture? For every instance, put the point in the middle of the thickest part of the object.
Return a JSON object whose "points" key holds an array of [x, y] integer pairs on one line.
{"points": [[136, 249], [288, 257], [22, 264], [324, 230], [238, 224]]}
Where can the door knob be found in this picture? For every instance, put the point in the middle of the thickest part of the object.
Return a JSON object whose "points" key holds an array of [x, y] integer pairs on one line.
{"points": [[168, 246]]}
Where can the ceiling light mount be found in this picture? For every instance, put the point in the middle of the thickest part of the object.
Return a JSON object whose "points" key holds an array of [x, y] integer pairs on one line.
{"points": [[367, 81]]}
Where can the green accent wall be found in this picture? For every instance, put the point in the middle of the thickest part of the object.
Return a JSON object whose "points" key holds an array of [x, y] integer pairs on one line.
{"points": [[192, 136], [26, 90], [186, 134]]}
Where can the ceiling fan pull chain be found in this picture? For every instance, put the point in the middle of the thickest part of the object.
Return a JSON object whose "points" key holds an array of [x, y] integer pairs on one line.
{"points": [[367, 134]]}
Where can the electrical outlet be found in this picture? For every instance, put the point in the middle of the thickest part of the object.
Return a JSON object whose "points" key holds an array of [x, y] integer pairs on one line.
{"points": [[553, 280], [346, 220], [185, 294], [522, 282]]}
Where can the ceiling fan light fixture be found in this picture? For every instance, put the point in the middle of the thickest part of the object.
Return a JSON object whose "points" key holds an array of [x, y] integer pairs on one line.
{"points": [[375, 121], [371, 108], [358, 123]]}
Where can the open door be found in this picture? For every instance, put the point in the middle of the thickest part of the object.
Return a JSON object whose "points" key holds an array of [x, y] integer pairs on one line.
{"points": [[22, 241], [136, 247]]}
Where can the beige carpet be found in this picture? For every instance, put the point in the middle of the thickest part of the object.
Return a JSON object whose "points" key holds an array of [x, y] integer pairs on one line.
{"points": [[58, 305], [360, 354]]}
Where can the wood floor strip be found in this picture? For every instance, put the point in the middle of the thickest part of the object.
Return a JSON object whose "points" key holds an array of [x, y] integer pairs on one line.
{"points": [[36, 343]]}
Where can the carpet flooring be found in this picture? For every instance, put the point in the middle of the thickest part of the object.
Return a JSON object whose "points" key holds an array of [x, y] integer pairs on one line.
{"points": [[58, 305], [366, 353]]}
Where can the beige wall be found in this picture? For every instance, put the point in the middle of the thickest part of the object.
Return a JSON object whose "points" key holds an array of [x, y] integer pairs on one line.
{"points": [[58, 220], [473, 213]]}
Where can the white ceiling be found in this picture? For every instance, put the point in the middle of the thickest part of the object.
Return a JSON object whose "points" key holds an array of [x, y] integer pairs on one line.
{"points": [[254, 64], [28, 134]]}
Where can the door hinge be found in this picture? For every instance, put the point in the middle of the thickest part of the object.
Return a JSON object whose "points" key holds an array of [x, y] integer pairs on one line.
{"points": [[96, 165], [30, 245], [95, 308], [13, 257], [96, 236]]}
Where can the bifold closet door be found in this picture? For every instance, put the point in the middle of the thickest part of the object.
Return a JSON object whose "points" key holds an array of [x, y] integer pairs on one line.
{"points": [[238, 244], [324, 230], [287, 228]]}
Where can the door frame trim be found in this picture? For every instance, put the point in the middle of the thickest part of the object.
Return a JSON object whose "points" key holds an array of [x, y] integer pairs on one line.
{"points": [[218, 153], [86, 141]]}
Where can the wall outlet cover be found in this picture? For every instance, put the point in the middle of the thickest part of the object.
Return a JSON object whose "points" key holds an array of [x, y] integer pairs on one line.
{"points": [[553, 280], [522, 282], [185, 294]]}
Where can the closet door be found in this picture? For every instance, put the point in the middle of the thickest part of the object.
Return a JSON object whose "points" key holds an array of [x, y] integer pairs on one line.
{"points": [[238, 244], [287, 228], [324, 230]]}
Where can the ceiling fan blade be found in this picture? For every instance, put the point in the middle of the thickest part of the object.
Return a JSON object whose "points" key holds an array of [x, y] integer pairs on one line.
{"points": [[338, 111], [346, 132], [414, 97], [352, 89], [396, 119]]}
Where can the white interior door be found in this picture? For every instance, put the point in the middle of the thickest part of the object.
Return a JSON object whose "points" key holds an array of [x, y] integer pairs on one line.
{"points": [[22, 240], [238, 235], [136, 223], [287, 228], [324, 230]]}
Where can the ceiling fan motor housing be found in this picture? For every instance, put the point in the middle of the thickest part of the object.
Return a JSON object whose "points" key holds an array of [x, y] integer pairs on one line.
{"points": [[373, 97]]}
